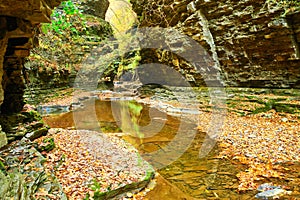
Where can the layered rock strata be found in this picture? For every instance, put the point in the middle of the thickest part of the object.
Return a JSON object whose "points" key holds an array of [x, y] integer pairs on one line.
{"points": [[18, 22], [253, 43]]}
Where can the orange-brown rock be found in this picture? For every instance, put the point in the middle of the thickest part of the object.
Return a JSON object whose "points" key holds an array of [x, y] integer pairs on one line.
{"points": [[18, 23]]}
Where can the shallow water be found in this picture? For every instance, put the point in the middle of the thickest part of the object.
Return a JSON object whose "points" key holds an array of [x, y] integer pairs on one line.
{"points": [[205, 178]]}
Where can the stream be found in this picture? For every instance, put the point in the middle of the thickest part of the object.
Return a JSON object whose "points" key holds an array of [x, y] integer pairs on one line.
{"points": [[206, 178]]}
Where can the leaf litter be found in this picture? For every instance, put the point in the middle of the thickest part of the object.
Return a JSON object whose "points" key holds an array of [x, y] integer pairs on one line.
{"points": [[264, 142], [83, 159]]}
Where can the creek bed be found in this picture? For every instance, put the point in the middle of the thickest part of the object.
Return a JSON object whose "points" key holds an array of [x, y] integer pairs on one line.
{"points": [[206, 178]]}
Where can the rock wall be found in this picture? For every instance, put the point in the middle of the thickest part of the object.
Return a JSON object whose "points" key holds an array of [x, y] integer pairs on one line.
{"points": [[18, 21], [3, 44], [3, 138], [54, 64], [95, 7], [254, 43]]}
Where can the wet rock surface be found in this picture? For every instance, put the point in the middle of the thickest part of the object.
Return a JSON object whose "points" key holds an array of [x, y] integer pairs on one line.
{"points": [[50, 69], [18, 35], [27, 124], [215, 176], [95, 7], [243, 101], [23, 175], [267, 191]]}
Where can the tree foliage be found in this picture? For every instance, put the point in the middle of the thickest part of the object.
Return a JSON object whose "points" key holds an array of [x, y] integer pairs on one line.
{"points": [[68, 38]]}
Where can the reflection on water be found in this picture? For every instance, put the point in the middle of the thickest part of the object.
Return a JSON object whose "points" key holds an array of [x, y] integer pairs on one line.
{"points": [[46, 110], [207, 178]]}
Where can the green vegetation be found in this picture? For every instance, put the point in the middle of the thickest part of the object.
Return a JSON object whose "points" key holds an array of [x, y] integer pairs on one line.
{"points": [[96, 187], [130, 117], [32, 116], [276, 105], [65, 20], [71, 38], [128, 63], [67, 39], [47, 145], [110, 193], [2, 167], [68, 20]]}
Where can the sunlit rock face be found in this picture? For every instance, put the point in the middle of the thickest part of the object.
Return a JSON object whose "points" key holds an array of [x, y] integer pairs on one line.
{"points": [[96, 8], [3, 139], [253, 43], [35, 11], [18, 23], [3, 43]]}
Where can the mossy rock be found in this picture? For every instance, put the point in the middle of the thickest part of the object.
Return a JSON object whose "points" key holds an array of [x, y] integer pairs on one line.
{"points": [[32, 116], [28, 179], [137, 186], [47, 145], [37, 133]]}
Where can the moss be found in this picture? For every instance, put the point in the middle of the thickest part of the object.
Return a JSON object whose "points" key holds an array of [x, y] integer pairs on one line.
{"points": [[276, 105], [2, 167], [121, 190], [32, 116], [47, 145]]}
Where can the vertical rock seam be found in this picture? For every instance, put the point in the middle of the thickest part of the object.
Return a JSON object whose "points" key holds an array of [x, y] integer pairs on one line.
{"points": [[208, 37], [255, 42]]}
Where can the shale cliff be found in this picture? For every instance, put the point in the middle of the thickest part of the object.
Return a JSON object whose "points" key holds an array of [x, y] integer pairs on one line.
{"points": [[18, 34], [18, 23], [254, 43]]}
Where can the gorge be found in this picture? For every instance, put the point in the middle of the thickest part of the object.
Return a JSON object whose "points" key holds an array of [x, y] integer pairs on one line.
{"points": [[251, 53]]}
